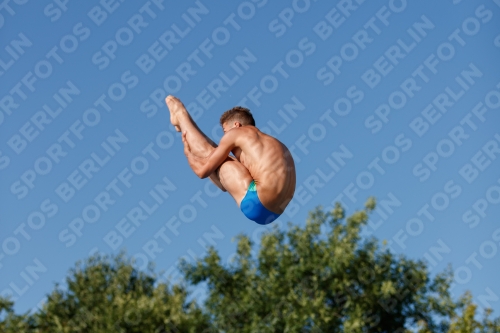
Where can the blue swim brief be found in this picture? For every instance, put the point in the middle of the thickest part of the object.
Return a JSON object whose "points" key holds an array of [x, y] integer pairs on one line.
{"points": [[253, 208]]}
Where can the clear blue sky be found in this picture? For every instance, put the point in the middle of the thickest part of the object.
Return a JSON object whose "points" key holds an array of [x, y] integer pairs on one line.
{"points": [[393, 99]]}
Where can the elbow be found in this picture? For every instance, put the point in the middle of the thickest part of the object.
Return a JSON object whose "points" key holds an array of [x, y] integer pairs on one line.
{"points": [[200, 174], [204, 173], [199, 171]]}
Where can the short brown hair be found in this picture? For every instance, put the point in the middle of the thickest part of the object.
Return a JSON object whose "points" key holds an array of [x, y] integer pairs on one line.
{"points": [[238, 113]]}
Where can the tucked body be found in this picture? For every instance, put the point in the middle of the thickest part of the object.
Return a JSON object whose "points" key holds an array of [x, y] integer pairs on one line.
{"points": [[261, 175]]}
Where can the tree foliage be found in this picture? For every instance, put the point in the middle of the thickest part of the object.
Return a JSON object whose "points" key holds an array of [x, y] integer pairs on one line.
{"points": [[323, 277], [109, 295]]}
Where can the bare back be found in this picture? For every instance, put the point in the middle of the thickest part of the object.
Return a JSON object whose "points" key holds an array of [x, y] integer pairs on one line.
{"points": [[270, 164]]}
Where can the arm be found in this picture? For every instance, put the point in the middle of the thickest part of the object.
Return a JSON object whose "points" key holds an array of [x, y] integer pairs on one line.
{"points": [[205, 166]]}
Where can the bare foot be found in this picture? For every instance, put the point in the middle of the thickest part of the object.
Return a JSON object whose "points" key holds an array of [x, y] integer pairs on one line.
{"points": [[175, 106]]}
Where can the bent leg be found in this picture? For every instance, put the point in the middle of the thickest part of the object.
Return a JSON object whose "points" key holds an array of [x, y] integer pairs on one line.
{"points": [[235, 178], [214, 177], [231, 176], [200, 144]]}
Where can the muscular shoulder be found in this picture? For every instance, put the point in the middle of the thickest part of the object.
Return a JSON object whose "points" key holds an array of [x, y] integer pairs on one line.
{"points": [[240, 135]]}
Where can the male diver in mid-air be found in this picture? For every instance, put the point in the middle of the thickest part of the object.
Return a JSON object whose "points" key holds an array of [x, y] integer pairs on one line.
{"points": [[261, 175]]}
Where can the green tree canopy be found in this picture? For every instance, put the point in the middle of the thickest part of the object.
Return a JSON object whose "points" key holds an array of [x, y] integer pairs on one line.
{"points": [[107, 294], [322, 277]]}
